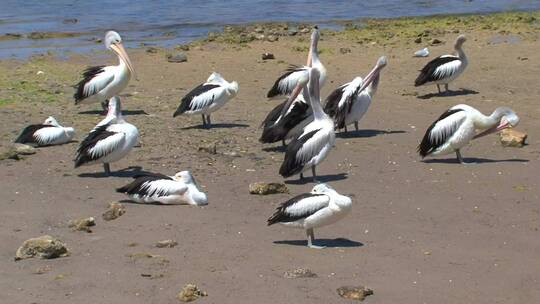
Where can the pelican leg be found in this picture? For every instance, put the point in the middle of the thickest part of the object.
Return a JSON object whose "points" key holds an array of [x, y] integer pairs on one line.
{"points": [[446, 87], [346, 129], [356, 125], [105, 107], [208, 120], [439, 89], [311, 238], [460, 159], [314, 174], [203, 121], [283, 143], [107, 168], [302, 175]]}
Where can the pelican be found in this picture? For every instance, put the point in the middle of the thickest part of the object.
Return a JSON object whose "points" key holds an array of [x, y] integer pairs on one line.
{"points": [[282, 124], [48, 133], [348, 103], [444, 69], [456, 127], [322, 206], [312, 146], [112, 139], [208, 98], [179, 189], [285, 84], [100, 83]]}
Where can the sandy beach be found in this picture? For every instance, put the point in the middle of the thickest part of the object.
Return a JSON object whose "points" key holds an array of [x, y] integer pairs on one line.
{"points": [[420, 231]]}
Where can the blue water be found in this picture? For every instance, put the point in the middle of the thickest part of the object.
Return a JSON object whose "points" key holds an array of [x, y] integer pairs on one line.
{"points": [[171, 22]]}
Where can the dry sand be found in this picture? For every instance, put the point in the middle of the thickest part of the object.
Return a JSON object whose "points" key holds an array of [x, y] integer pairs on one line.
{"points": [[419, 232]]}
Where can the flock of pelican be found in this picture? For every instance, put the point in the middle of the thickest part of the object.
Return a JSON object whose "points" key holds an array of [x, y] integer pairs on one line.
{"points": [[303, 119]]}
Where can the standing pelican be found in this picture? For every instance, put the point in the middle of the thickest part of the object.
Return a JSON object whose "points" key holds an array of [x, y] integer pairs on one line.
{"points": [[179, 189], [456, 127], [444, 69], [112, 139], [100, 83], [47, 134], [318, 137], [208, 98], [322, 206], [285, 84], [348, 103]]}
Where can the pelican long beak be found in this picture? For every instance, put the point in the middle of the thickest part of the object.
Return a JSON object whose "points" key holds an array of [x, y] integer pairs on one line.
{"points": [[502, 125], [381, 63], [121, 52], [309, 59], [292, 97]]}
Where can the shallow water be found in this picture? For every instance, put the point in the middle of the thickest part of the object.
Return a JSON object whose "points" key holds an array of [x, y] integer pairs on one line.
{"points": [[172, 22]]}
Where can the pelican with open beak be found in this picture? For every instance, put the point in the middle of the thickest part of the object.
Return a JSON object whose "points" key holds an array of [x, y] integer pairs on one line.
{"points": [[100, 83]]}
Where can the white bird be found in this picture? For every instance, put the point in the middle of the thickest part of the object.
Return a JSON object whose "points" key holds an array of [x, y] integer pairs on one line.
{"points": [[318, 137], [111, 139], [285, 84], [322, 206], [100, 83], [422, 53], [456, 127], [208, 98], [444, 69], [179, 189], [348, 103], [47, 134]]}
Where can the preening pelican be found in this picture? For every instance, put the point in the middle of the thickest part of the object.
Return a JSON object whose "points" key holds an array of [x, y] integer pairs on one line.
{"points": [[348, 103], [100, 83], [179, 189], [46, 134], [285, 84], [444, 69], [318, 137], [208, 98], [456, 127], [112, 139], [322, 206]]}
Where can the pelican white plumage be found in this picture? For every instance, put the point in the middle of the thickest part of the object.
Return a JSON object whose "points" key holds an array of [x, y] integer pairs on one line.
{"points": [[444, 69], [208, 97], [286, 83], [48, 133], [179, 189], [348, 103], [322, 206], [312, 146], [111, 139], [100, 83], [456, 127]]}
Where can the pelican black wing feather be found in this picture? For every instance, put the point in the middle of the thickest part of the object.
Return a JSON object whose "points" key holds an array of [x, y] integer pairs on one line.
{"points": [[83, 152], [88, 75], [427, 74], [138, 185], [185, 105], [282, 216], [275, 90], [291, 165], [274, 132], [27, 135], [430, 144]]}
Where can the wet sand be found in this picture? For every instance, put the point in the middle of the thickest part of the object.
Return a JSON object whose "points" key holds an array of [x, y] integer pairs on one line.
{"points": [[420, 231]]}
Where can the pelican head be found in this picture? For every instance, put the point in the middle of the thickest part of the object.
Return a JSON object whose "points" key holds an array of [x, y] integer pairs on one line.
{"points": [[233, 88], [50, 121], [184, 176], [315, 36], [113, 42], [459, 41], [322, 188], [374, 73], [505, 117]]}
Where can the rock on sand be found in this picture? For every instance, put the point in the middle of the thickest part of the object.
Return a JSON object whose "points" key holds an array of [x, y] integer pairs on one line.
{"points": [[512, 138], [190, 292], [267, 188], [45, 247]]}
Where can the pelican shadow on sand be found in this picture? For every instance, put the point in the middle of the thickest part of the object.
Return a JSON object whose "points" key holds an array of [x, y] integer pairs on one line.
{"points": [[217, 126], [124, 112], [473, 160], [126, 172], [366, 133], [320, 179], [460, 92], [328, 243]]}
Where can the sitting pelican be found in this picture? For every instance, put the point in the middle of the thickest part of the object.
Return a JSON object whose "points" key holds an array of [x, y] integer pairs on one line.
{"points": [[112, 139], [444, 69], [285, 84], [208, 98], [179, 189], [348, 103], [322, 206], [312, 146], [456, 127], [100, 83], [46, 134]]}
